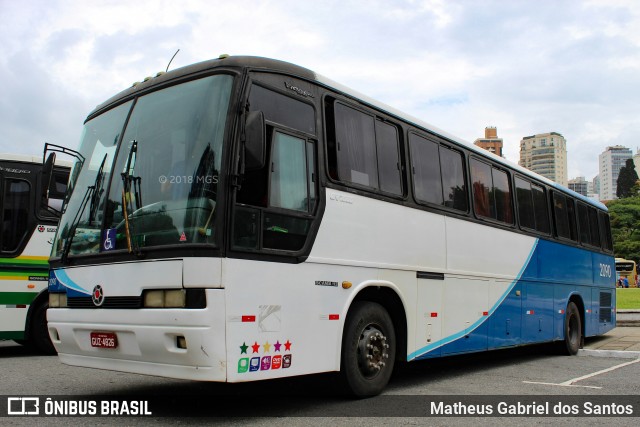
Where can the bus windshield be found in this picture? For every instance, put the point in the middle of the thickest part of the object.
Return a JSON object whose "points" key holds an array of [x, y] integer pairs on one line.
{"points": [[625, 266], [151, 173]]}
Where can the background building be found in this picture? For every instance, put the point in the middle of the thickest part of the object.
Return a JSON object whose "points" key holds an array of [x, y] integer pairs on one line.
{"points": [[596, 187], [610, 162], [545, 154], [636, 162], [490, 142], [579, 185]]}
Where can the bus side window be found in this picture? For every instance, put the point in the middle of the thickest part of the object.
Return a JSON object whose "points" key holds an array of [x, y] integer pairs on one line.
{"points": [[282, 214], [541, 209], [491, 192], [425, 167], [290, 189], [502, 196], [454, 187], [593, 226], [363, 149], [588, 225], [482, 186], [583, 224], [605, 231], [356, 146], [524, 197], [565, 218], [389, 164], [15, 213]]}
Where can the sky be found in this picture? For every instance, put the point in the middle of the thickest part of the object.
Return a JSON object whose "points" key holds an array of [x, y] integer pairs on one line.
{"points": [[525, 67]]}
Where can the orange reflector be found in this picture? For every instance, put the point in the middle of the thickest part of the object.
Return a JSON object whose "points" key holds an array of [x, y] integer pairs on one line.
{"points": [[31, 286], [346, 285]]}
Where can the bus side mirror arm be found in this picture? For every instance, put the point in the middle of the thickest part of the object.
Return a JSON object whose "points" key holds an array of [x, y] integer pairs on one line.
{"points": [[48, 163]]}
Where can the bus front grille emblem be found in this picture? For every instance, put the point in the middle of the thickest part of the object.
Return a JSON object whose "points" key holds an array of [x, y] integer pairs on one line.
{"points": [[97, 296]]}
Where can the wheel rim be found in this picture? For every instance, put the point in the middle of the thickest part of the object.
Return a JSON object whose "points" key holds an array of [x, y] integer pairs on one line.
{"points": [[373, 351]]}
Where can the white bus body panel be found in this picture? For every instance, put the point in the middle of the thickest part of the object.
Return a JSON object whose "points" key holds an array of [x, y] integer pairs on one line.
{"points": [[273, 320], [470, 256]]}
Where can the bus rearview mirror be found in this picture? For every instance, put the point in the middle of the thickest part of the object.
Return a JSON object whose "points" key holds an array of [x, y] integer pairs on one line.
{"points": [[47, 175], [255, 143]]}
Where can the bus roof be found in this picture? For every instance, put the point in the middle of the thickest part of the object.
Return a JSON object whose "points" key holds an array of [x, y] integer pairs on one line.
{"points": [[25, 158], [268, 64], [28, 158]]}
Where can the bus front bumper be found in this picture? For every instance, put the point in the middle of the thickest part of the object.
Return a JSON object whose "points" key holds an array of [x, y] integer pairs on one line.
{"points": [[173, 343]]}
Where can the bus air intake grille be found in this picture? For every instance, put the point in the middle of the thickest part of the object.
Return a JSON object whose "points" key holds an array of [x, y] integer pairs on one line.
{"points": [[605, 307], [109, 302]]}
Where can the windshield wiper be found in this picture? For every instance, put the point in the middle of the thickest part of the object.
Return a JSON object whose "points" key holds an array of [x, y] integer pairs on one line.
{"points": [[97, 191], [130, 182], [90, 194]]}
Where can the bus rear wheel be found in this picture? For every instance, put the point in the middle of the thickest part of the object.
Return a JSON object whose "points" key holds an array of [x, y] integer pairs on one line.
{"points": [[368, 350], [572, 330]]}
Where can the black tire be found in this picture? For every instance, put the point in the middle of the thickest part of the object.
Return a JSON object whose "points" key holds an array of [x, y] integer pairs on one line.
{"points": [[572, 330], [25, 343], [368, 350], [39, 331]]}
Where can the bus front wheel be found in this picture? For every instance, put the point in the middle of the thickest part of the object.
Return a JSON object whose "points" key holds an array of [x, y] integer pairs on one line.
{"points": [[39, 331], [368, 350], [572, 330]]}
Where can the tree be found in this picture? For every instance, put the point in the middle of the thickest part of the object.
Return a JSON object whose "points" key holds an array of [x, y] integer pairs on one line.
{"points": [[625, 227], [626, 180]]}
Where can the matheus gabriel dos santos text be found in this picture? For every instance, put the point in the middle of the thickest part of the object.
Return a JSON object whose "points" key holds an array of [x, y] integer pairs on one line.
{"points": [[533, 408]]}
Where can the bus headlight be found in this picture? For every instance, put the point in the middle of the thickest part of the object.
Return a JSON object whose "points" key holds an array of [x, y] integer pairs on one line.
{"points": [[58, 300], [170, 298], [174, 298]]}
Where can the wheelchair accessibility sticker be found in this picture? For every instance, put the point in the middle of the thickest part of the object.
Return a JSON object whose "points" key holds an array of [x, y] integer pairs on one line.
{"points": [[108, 239]]}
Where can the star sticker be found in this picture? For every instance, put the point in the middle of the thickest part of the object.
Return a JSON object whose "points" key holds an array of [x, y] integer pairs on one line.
{"points": [[266, 346], [287, 346], [243, 348], [255, 347], [277, 345]]}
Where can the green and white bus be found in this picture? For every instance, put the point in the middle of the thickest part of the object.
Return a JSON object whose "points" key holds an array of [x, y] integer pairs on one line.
{"points": [[28, 229]]}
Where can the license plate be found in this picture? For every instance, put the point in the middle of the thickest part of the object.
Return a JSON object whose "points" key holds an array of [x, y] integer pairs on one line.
{"points": [[104, 340]]}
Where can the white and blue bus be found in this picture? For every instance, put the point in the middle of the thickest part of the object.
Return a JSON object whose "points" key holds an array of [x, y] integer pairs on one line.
{"points": [[246, 219]]}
